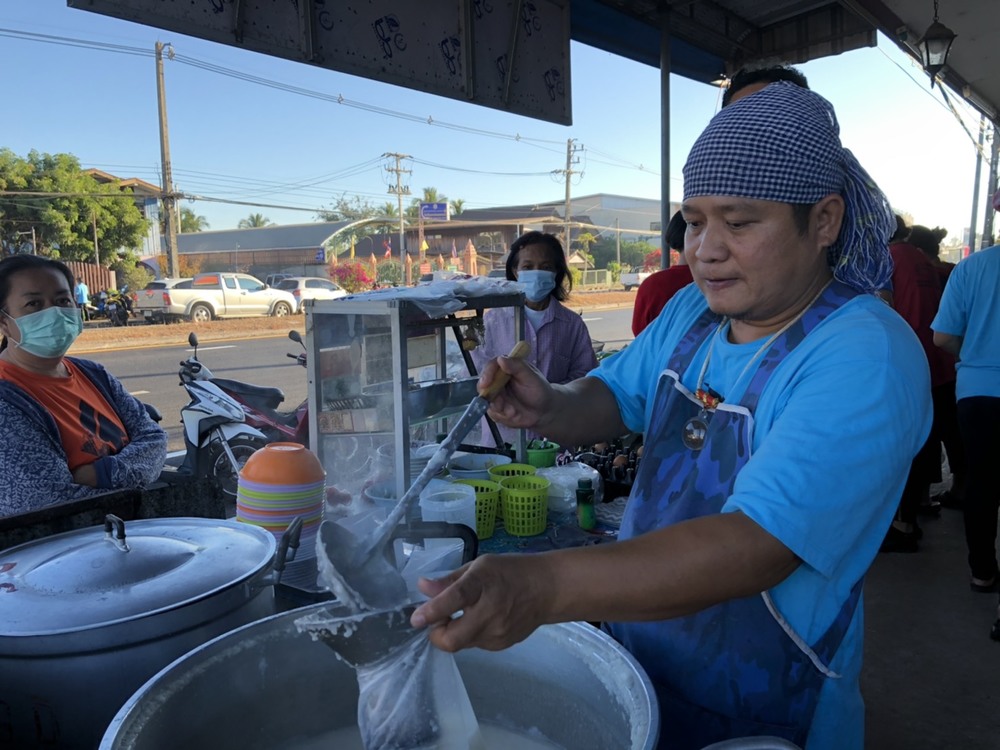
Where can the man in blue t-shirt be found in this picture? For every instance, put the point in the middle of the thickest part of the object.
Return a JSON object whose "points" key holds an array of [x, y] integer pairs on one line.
{"points": [[967, 326], [764, 390]]}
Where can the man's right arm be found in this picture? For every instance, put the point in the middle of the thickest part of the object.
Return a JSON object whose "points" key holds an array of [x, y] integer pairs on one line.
{"points": [[581, 412]]}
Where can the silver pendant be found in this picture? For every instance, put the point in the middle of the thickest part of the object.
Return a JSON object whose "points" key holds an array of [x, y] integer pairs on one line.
{"points": [[694, 432]]}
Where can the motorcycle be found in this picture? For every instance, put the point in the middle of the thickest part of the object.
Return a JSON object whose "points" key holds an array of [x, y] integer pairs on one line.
{"points": [[217, 438], [260, 405], [118, 306]]}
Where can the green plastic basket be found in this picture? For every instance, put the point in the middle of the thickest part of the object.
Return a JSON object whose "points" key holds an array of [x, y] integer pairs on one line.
{"points": [[502, 471], [525, 502], [487, 500], [543, 458]]}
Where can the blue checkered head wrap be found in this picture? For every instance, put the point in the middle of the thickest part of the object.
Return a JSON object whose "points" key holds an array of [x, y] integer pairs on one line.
{"points": [[783, 144]]}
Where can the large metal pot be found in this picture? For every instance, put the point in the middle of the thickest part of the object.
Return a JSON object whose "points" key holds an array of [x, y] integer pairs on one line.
{"points": [[88, 616], [268, 687]]}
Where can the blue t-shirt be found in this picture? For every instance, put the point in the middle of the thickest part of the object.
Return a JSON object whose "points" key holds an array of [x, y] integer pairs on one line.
{"points": [[969, 310], [834, 433]]}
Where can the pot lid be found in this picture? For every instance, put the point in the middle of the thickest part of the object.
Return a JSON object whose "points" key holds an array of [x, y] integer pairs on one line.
{"points": [[91, 577]]}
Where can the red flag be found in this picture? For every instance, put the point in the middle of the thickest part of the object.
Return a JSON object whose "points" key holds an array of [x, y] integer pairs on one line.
{"points": [[387, 244], [454, 250]]}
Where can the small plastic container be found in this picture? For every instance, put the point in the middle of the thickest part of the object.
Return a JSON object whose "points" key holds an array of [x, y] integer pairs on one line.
{"points": [[456, 504], [525, 502], [487, 500], [542, 453]]}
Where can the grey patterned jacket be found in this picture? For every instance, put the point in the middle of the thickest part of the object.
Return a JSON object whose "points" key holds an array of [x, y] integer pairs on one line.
{"points": [[34, 471]]}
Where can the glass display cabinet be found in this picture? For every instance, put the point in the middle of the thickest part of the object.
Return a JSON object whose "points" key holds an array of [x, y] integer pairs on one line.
{"points": [[386, 378]]}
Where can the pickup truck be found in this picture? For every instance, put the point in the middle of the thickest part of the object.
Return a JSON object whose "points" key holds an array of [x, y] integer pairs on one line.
{"points": [[214, 295], [632, 279]]}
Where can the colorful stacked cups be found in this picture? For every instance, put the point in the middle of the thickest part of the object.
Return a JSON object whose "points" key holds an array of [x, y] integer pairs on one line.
{"points": [[278, 483]]}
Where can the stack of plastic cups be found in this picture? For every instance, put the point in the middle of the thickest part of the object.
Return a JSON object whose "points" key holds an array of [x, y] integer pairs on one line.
{"points": [[487, 500], [279, 483], [500, 472]]}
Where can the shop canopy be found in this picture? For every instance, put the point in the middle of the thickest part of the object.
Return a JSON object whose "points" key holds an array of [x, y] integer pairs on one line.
{"points": [[514, 54]]}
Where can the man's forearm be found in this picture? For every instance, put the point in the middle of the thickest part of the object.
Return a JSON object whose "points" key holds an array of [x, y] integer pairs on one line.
{"points": [[668, 573], [583, 412]]}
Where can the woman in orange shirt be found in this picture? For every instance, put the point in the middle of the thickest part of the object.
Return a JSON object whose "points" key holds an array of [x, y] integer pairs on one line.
{"points": [[71, 429]]}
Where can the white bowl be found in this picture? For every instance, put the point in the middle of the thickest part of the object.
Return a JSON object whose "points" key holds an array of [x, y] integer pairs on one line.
{"points": [[475, 465]]}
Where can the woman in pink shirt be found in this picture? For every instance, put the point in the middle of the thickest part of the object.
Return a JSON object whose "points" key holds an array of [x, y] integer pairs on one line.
{"points": [[559, 340]]}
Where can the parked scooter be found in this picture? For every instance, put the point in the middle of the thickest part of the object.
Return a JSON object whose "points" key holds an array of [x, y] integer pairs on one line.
{"points": [[216, 435], [260, 405], [118, 306]]}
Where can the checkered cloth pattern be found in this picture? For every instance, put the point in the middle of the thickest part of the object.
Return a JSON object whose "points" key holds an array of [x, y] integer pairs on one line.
{"points": [[783, 144]]}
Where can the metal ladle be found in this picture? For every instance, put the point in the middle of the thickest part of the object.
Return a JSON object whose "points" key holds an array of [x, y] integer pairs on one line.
{"points": [[364, 575]]}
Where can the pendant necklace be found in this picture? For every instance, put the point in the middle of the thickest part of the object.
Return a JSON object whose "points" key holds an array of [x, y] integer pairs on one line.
{"points": [[695, 430]]}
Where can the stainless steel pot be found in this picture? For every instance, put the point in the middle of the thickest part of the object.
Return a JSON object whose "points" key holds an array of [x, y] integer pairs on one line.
{"points": [[268, 687], [86, 617]]}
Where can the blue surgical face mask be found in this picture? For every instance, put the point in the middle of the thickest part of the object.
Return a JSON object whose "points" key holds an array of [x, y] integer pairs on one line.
{"points": [[537, 284], [48, 333]]}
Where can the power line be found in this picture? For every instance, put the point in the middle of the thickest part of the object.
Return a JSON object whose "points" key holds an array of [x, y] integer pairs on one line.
{"points": [[481, 171], [542, 143]]}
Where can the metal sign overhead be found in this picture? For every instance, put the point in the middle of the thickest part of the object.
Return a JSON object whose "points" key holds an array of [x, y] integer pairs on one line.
{"points": [[511, 55], [434, 212]]}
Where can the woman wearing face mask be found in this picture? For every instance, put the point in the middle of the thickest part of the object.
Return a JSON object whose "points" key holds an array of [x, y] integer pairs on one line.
{"points": [[559, 340], [70, 429]]}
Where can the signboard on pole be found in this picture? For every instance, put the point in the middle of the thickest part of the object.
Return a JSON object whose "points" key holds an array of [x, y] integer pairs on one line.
{"points": [[434, 212]]}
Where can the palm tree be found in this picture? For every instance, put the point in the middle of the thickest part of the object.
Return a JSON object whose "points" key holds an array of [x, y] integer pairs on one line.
{"points": [[254, 221], [457, 206], [192, 222]]}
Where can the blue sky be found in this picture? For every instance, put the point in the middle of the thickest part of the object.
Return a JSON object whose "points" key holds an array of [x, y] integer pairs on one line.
{"points": [[236, 140]]}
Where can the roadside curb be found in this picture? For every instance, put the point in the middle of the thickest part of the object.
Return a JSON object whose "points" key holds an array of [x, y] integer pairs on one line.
{"points": [[80, 348], [84, 349]]}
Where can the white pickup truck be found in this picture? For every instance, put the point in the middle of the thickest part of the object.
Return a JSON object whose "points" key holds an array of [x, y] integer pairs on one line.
{"points": [[215, 295], [632, 279]]}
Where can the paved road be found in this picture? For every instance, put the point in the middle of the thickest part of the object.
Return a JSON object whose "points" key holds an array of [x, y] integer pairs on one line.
{"points": [[151, 374]]}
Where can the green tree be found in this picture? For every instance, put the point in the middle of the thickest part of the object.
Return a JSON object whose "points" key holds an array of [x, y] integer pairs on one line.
{"points": [[390, 273], [356, 208], [457, 206], [192, 222], [75, 208], [634, 253], [254, 221], [349, 209], [136, 277], [586, 240]]}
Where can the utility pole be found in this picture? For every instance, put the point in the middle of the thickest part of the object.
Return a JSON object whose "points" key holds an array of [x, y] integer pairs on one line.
{"points": [[97, 250], [400, 190], [169, 199], [618, 242], [571, 159]]}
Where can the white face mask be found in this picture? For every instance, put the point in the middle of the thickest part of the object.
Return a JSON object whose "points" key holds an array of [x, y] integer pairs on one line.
{"points": [[537, 284]]}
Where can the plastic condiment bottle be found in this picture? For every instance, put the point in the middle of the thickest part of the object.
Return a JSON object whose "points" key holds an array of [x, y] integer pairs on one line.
{"points": [[585, 516]]}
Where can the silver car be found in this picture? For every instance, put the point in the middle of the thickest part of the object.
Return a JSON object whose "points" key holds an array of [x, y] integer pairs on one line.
{"points": [[309, 287]]}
